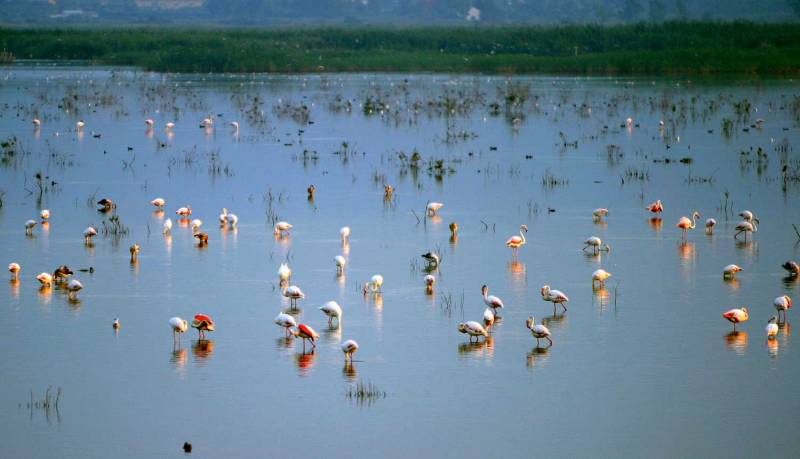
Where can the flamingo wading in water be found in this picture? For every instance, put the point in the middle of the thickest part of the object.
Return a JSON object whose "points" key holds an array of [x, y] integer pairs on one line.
{"points": [[554, 296], [473, 329], [515, 242], [349, 348], [179, 327], [490, 300], [736, 315], [286, 321], [538, 331], [782, 304], [685, 224], [203, 323]]}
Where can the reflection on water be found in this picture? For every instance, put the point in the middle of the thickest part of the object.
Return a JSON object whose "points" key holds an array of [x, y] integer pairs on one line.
{"points": [[555, 321], [178, 358], [15, 283], [333, 333], [736, 341], [732, 282], [202, 350], [686, 251], [483, 349], [656, 223], [517, 271], [537, 355], [772, 347], [601, 297], [305, 362], [349, 371]]}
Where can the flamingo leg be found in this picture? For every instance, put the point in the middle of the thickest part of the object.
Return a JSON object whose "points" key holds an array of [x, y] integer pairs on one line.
{"points": [[564, 305], [548, 339]]}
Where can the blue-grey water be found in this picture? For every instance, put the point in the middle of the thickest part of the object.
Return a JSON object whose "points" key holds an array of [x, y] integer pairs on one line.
{"points": [[645, 367]]}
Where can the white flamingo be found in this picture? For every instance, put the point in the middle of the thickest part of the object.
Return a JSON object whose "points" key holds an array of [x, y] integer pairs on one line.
{"points": [[374, 285], [14, 269], [488, 318], [73, 287], [149, 122], [294, 293], [89, 233], [515, 242], [29, 226], [473, 329], [196, 224], [433, 208], [538, 331], [233, 220], [235, 126], [430, 280], [772, 327], [596, 244], [340, 263], [46, 279], [168, 226], [710, 224], [284, 273], [554, 296], [782, 304], [170, 126], [349, 348], [685, 224], [333, 311], [729, 272], [345, 234], [184, 211], [490, 300], [44, 215], [158, 202], [37, 122], [600, 276], [223, 217], [598, 214], [746, 227], [286, 321], [282, 229], [178, 326]]}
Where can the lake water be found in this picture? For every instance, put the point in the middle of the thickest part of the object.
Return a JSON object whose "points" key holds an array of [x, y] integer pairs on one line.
{"points": [[646, 366]]}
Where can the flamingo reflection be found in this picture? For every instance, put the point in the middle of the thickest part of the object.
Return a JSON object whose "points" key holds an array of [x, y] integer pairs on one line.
{"points": [[202, 350], [656, 223], [477, 350], [305, 362], [736, 341], [537, 354], [349, 371]]}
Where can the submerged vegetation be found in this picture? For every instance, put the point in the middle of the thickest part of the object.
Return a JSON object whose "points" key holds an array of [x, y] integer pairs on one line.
{"points": [[691, 48]]}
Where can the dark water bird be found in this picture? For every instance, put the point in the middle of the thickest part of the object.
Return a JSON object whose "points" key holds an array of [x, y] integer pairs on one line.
{"points": [[62, 273], [106, 204], [134, 252], [311, 190], [432, 259], [792, 267], [187, 447], [202, 238]]}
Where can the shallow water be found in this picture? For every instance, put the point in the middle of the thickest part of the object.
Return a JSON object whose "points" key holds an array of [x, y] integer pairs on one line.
{"points": [[646, 366]]}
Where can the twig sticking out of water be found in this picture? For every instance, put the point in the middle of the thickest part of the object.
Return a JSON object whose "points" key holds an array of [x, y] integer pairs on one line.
{"points": [[796, 231], [49, 404], [365, 393]]}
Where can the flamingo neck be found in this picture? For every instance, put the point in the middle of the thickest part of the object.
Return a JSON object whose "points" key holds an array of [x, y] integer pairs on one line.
{"points": [[522, 235]]}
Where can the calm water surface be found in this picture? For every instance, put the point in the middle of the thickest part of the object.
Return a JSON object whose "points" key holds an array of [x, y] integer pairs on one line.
{"points": [[644, 367]]}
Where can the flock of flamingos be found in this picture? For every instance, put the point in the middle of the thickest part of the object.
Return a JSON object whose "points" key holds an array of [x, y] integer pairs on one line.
{"points": [[60, 278]]}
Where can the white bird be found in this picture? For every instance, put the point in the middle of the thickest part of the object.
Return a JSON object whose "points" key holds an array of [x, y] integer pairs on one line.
{"points": [[37, 122], [223, 217], [345, 234], [170, 125], [433, 208], [772, 327], [629, 121], [80, 124], [46, 279], [14, 269], [233, 219], [158, 202], [783, 304], [473, 329], [374, 285], [234, 125], [729, 272], [349, 348], [29, 226], [490, 300], [488, 318], [44, 214], [284, 273], [333, 311], [196, 224], [432, 259], [179, 326], [116, 324], [207, 122], [737, 315], [515, 242], [184, 211], [596, 244], [286, 321], [430, 280], [282, 228], [73, 287], [554, 296], [294, 293], [340, 262], [538, 331], [748, 216], [600, 276], [598, 214], [89, 233], [168, 226], [746, 227], [149, 122], [710, 224]]}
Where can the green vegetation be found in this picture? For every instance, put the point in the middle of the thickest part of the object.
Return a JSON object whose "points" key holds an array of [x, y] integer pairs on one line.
{"points": [[674, 48]]}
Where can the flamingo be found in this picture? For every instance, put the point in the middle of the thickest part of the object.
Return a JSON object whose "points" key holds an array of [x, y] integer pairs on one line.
{"points": [[284, 273], [710, 224], [196, 224], [158, 202], [515, 242], [14, 269], [169, 125], [554, 296], [488, 318], [311, 190], [46, 279], [106, 204], [433, 208], [235, 126], [345, 234], [73, 287], [600, 276], [223, 217], [333, 311], [748, 216], [783, 304], [89, 233], [746, 227], [207, 122], [429, 281], [202, 323], [340, 262], [388, 192], [116, 324], [307, 333], [597, 245], [432, 259], [792, 267], [29, 226], [293, 293], [149, 122], [453, 230], [538, 331], [37, 122], [62, 273], [490, 300], [179, 326], [629, 121], [729, 272], [233, 220], [736, 316], [286, 321], [184, 211], [134, 252], [598, 214], [80, 124], [772, 327], [473, 329], [349, 348], [685, 224], [374, 285], [168, 226], [202, 238], [282, 228], [44, 214], [656, 207]]}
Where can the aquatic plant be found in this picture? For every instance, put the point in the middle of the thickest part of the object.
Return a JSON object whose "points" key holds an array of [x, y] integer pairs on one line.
{"points": [[365, 393]]}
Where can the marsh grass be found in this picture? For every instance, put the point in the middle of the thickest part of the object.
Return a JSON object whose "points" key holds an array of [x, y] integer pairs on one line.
{"points": [[48, 404], [365, 393]]}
